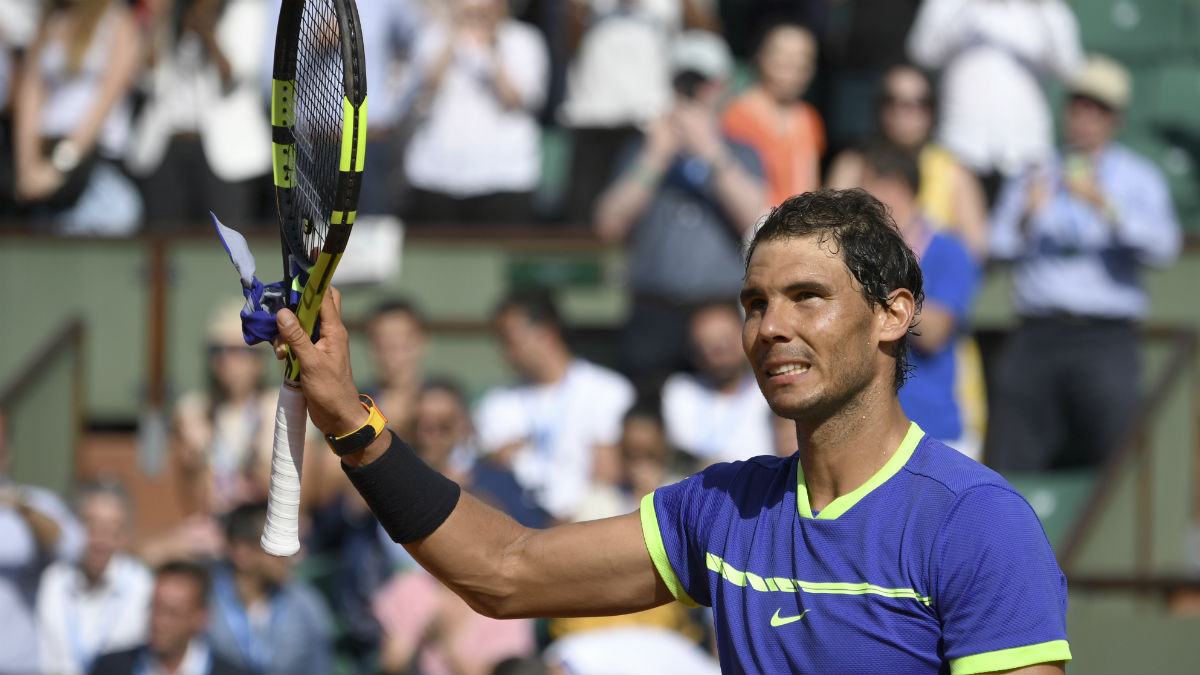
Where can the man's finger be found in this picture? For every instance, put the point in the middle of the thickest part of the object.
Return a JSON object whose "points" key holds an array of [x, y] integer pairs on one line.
{"points": [[331, 313], [293, 334]]}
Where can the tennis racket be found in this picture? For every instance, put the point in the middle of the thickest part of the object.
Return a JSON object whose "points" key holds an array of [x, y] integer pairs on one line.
{"points": [[319, 127]]}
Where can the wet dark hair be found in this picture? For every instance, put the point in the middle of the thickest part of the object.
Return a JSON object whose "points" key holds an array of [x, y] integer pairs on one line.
{"points": [[399, 305], [537, 305], [245, 523], [194, 571], [863, 233]]}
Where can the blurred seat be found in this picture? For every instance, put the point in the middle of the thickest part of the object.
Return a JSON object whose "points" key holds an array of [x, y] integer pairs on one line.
{"points": [[1136, 30]]}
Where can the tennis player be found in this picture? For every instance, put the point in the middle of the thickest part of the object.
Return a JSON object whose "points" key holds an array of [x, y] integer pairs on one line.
{"points": [[873, 548]]}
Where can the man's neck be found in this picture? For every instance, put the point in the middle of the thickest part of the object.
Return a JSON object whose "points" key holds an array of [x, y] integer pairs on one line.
{"points": [[729, 382], [170, 662], [842, 452], [250, 589], [553, 368]]}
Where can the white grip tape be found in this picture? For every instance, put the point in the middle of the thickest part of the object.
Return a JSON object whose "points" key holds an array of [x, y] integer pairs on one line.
{"points": [[281, 534]]}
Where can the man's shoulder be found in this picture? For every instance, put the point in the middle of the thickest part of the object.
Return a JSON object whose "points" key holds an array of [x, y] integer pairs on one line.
{"points": [[955, 472], [118, 663], [596, 375], [1134, 161]]}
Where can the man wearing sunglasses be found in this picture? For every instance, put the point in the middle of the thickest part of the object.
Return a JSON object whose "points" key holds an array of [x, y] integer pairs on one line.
{"points": [[1078, 231]]}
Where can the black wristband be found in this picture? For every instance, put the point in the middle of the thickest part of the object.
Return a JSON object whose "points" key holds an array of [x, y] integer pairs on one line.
{"points": [[410, 499]]}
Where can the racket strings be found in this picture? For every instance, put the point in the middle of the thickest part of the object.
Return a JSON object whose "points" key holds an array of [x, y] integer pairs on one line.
{"points": [[318, 123]]}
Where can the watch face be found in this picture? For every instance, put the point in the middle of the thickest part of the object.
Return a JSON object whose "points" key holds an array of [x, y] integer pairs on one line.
{"points": [[65, 156]]}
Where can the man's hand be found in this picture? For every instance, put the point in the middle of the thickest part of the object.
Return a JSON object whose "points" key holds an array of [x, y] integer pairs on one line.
{"points": [[325, 376]]}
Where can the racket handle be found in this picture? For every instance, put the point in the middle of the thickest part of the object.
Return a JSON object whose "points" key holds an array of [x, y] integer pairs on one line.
{"points": [[281, 534]]}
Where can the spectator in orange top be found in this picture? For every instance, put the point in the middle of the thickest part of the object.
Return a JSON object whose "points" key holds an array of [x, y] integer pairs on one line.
{"points": [[770, 116]]}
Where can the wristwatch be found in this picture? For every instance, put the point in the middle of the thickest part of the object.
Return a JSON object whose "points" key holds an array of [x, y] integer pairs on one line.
{"points": [[360, 438], [65, 156]]}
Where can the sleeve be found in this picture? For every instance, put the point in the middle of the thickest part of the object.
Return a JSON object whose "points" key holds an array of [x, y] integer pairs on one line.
{"points": [[1005, 240], [938, 29], [612, 404], [1147, 221], [71, 535], [953, 286], [526, 63], [498, 422], [677, 523], [319, 636], [999, 591], [1064, 50], [748, 158], [51, 646]]}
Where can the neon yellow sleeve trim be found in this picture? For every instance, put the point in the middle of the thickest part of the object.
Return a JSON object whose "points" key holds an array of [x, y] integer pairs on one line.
{"points": [[1007, 659], [658, 552]]}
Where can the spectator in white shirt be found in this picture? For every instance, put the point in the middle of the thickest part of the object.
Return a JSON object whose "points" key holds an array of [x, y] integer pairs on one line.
{"points": [[36, 528], [994, 57], [557, 428], [717, 414], [475, 154], [101, 603]]}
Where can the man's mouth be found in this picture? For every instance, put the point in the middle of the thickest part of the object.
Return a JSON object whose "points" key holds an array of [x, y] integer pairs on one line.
{"points": [[788, 369]]}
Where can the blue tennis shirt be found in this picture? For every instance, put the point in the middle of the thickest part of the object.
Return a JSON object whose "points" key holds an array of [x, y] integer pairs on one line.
{"points": [[935, 564]]}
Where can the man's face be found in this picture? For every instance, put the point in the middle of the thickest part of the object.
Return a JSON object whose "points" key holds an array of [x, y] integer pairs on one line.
{"points": [[397, 344], [1090, 125], [440, 424], [104, 518], [522, 341], [811, 336], [787, 61], [177, 612], [715, 335]]}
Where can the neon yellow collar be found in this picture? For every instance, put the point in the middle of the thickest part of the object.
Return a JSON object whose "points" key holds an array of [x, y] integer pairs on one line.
{"points": [[842, 504]]}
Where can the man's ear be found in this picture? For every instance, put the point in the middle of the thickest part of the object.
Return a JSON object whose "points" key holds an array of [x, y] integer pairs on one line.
{"points": [[898, 316]]}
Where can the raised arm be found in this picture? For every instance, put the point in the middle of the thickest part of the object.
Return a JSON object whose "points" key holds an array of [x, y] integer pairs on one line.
{"points": [[499, 567]]}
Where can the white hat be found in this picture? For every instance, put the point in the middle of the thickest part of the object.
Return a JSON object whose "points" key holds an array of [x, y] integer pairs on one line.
{"points": [[1105, 80], [702, 52]]}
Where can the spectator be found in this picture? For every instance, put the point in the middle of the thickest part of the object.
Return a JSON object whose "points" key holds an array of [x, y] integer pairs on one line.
{"points": [[223, 435], [629, 650], [648, 462], [1078, 231], [994, 57], [444, 437], [426, 628], [36, 528], [951, 195], [684, 198], [399, 337], [557, 428], [475, 156], [619, 81], [390, 31], [263, 621], [430, 630], [71, 118], [717, 414], [770, 117], [950, 276], [99, 604], [202, 139], [176, 643]]}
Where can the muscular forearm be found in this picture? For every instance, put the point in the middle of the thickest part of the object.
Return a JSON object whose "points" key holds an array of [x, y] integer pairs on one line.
{"points": [[740, 194], [622, 203], [122, 68]]}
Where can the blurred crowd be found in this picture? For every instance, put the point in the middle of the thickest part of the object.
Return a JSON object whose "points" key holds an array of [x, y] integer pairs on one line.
{"points": [[686, 121]]}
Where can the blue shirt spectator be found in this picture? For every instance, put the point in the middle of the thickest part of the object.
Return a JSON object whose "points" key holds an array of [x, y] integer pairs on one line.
{"points": [[1078, 232], [951, 278]]}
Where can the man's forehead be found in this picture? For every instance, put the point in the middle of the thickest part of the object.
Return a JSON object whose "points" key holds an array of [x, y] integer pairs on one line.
{"points": [[809, 256]]}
